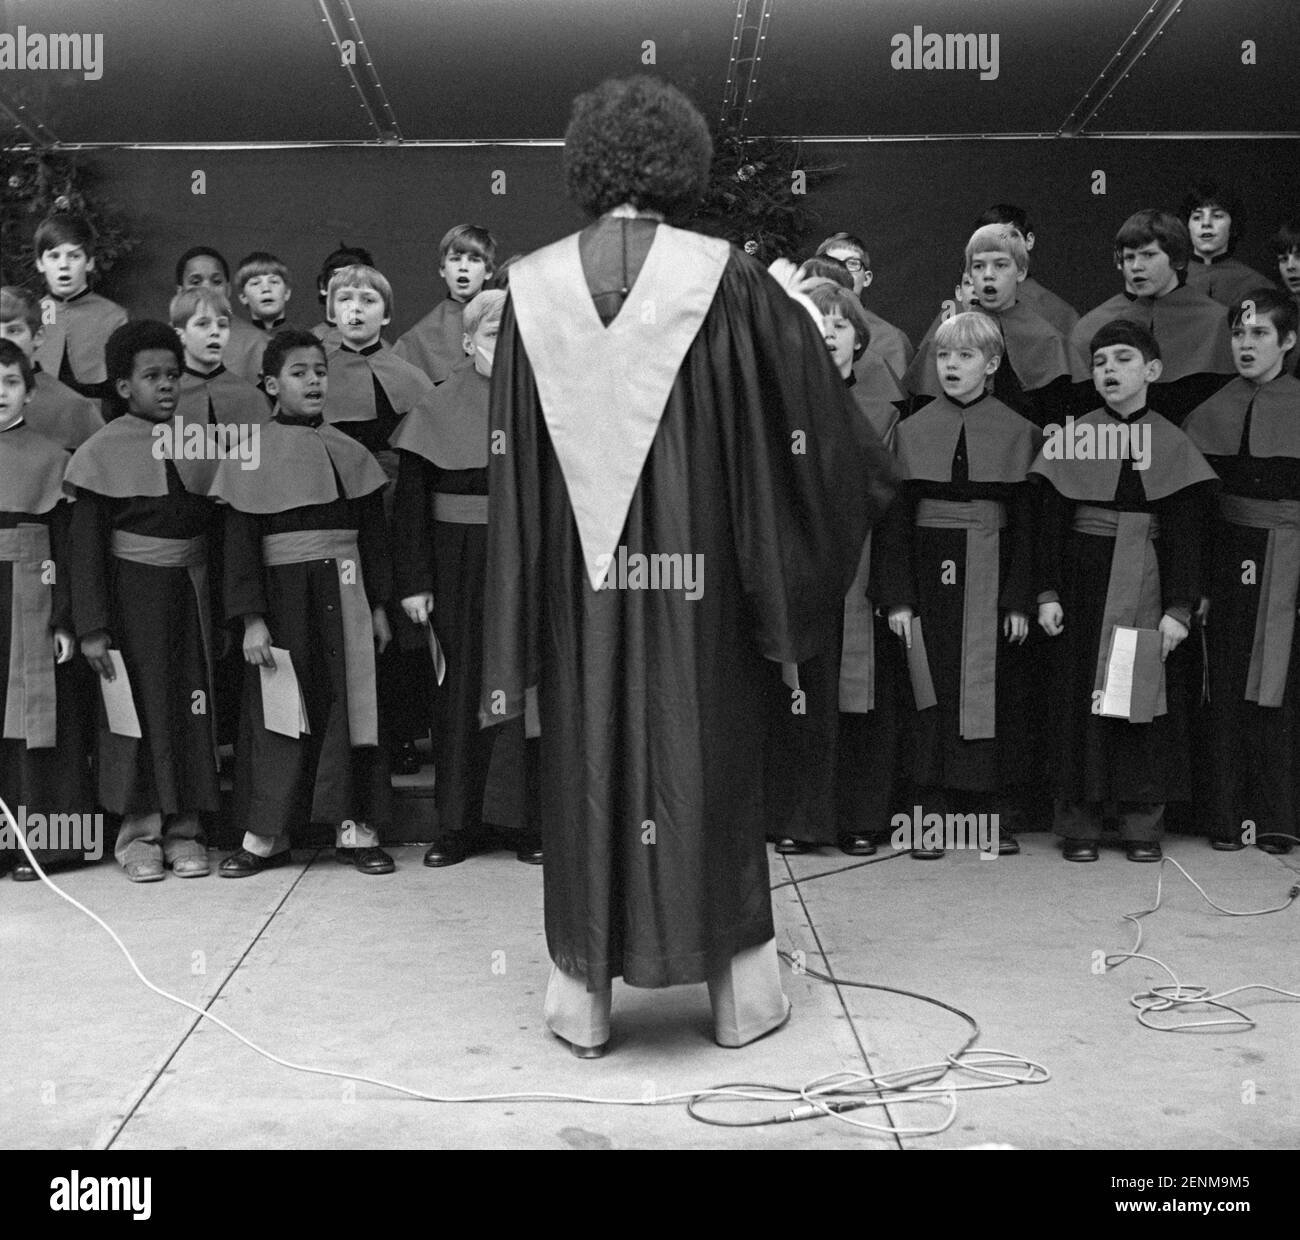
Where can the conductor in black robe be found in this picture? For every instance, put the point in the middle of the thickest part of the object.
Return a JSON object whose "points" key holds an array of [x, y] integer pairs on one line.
{"points": [[680, 494]]}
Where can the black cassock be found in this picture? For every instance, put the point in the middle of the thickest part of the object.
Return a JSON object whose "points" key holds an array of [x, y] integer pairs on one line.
{"points": [[51, 776], [651, 703], [1100, 758], [831, 749], [312, 478], [152, 614], [1250, 434], [939, 462], [440, 546]]}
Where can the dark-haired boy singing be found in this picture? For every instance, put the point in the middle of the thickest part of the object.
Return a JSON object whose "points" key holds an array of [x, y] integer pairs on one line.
{"points": [[307, 570], [1119, 546]]}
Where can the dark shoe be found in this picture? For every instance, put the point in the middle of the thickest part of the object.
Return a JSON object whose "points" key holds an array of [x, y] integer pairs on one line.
{"points": [[372, 860], [529, 850], [404, 759], [242, 863], [1143, 850], [1008, 845], [927, 854], [1080, 850], [585, 1052], [446, 851], [788, 847], [51, 864], [1276, 846], [857, 846], [1227, 845]]}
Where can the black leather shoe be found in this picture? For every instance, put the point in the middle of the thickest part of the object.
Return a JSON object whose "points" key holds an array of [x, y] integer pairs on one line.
{"points": [[1143, 850], [927, 854], [788, 847], [242, 863], [51, 863], [1275, 846], [857, 846], [1080, 850], [1227, 845], [404, 759], [1008, 845], [372, 860], [529, 850], [446, 851]]}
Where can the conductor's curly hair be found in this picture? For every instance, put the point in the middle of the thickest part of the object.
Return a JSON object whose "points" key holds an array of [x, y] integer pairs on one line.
{"points": [[636, 140]]}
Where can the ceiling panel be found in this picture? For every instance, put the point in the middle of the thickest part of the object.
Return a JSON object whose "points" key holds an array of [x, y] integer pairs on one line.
{"points": [[224, 71], [506, 69]]}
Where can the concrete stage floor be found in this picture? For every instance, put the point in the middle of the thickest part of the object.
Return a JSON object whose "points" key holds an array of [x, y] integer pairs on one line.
{"points": [[434, 979]]}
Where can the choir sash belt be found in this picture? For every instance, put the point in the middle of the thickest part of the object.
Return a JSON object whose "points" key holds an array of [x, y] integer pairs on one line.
{"points": [[460, 509], [982, 519], [1270, 653], [302, 546], [190, 554], [1133, 591], [29, 698], [858, 648]]}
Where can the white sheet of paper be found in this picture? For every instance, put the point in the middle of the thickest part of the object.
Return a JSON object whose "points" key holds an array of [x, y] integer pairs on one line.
{"points": [[1117, 697], [282, 707], [119, 705], [435, 652]]}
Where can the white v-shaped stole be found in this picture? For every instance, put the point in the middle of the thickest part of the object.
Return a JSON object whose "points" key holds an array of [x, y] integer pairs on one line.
{"points": [[604, 389]]}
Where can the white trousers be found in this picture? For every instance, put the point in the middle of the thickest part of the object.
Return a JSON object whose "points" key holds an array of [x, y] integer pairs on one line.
{"points": [[745, 994]]}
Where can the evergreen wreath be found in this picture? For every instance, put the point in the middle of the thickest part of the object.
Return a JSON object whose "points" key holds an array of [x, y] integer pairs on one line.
{"points": [[40, 181], [751, 198]]}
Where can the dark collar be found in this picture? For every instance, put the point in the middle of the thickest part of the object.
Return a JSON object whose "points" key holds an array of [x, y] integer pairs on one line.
{"points": [[952, 400], [205, 376], [289, 419], [1132, 417], [11, 426], [366, 352], [67, 301]]}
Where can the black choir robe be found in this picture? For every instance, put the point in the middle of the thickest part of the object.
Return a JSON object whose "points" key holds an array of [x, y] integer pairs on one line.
{"points": [[651, 703], [1100, 759], [442, 445], [436, 343], [1033, 377], [220, 396], [73, 344], [1224, 278], [312, 477], [60, 413], [370, 391], [1192, 332], [47, 779], [946, 451], [829, 773], [1250, 434], [150, 613]]}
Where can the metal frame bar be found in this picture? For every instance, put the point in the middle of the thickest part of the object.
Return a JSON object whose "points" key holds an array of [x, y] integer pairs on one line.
{"points": [[342, 23], [1120, 65]]}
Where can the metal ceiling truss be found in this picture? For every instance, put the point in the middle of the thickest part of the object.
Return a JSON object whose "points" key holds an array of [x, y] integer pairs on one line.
{"points": [[748, 42], [345, 33]]}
